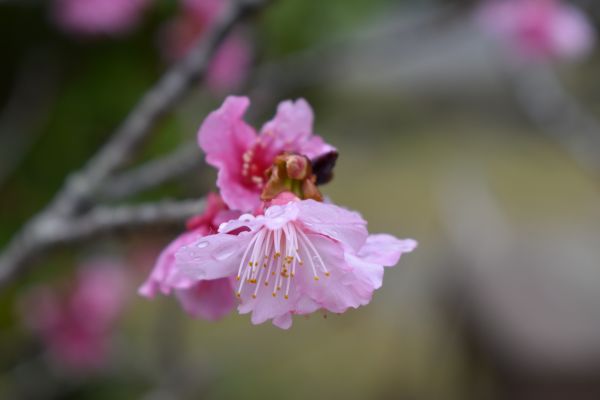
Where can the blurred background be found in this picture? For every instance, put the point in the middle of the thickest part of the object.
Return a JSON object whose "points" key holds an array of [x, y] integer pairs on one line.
{"points": [[467, 125]]}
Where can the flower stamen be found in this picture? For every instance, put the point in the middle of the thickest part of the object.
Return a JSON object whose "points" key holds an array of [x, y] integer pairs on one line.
{"points": [[277, 253]]}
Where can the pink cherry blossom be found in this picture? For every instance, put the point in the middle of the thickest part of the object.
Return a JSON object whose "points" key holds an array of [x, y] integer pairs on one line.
{"points": [[99, 16], [231, 63], [209, 300], [242, 156], [297, 258], [539, 29], [76, 325]]}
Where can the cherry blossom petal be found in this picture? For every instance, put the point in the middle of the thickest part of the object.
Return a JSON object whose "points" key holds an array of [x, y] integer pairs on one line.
{"points": [[283, 321], [335, 292], [345, 226], [92, 17], [385, 249], [292, 130], [162, 278], [225, 137], [212, 257], [230, 65], [292, 123], [210, 300]]}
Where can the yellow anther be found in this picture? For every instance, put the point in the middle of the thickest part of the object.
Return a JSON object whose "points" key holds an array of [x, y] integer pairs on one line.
{"points": [[328, 274], [252, 280], [316, 278], [286, 297], [274, 294], [253, 296]]}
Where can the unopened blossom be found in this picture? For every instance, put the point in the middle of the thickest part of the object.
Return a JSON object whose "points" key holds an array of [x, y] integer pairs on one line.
{"points": [[76, 324], [230, 64], [244, 157], [209, 300], [539, 29], [297, 258], [92, 17]]}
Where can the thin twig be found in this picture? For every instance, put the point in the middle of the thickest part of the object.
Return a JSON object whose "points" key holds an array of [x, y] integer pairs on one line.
{"points": [[153, 173], [73, 199], [167, 92], [104, 219], [51, 231], [321, 63], [556, 112]]}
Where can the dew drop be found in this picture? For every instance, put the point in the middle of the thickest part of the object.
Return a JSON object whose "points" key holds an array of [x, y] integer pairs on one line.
{"points": [[202, 244]]}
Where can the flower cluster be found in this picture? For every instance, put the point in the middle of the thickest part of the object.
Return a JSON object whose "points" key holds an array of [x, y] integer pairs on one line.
{"points": [[290, 252], [229, 66], [92, 17], [76, 324], [539, 29]]}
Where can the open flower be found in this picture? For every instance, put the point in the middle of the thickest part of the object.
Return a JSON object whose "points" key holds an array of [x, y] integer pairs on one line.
{"points": [[244, 157], [99, 16], [297, 258], [76, 325], [230, 65], [209, 300], [539, 29]]}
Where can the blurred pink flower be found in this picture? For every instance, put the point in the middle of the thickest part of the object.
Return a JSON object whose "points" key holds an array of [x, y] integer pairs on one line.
{"points": [[297, 258], [229, 67], [539, 29], [242, 156], [93, 17], [76, 326], [210, 300]]}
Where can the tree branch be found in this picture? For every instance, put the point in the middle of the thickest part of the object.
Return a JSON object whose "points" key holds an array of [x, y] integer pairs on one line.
{"points": [[169, 89], [104, 219], [556, 112], [54, 231], [153, 173], [44, 229]]}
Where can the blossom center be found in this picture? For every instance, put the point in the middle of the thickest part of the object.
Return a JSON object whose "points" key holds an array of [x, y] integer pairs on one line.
{"points": [[291, 173], [274, 257], [254, 165]]}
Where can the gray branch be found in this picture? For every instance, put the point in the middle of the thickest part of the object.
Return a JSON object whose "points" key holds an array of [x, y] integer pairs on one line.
{"points": [[156, 102], [153, 173], [544, 100], [48, 228], [104, 219], [51, 231]]}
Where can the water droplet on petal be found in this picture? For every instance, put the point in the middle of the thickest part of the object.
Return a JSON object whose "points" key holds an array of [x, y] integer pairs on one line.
{"points": [[202, 244]]}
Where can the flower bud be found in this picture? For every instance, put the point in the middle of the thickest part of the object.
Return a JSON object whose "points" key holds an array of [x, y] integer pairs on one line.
{"points": [[297, 167]]}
